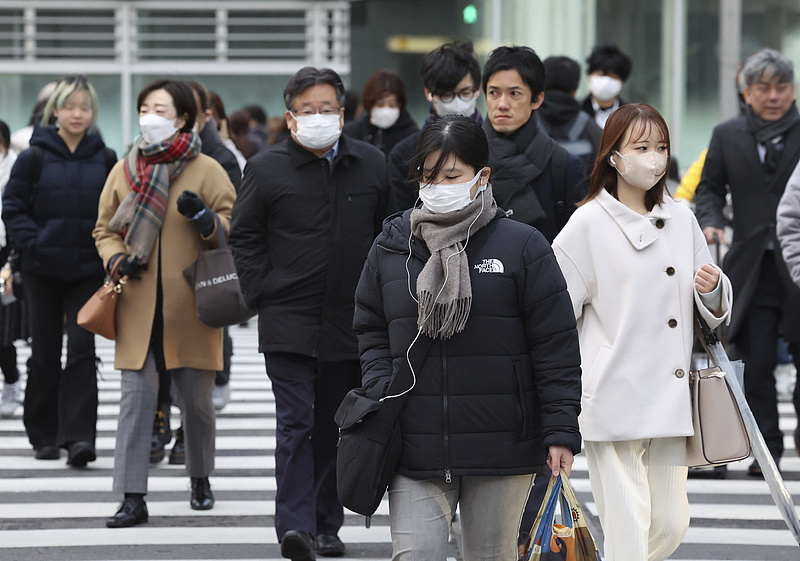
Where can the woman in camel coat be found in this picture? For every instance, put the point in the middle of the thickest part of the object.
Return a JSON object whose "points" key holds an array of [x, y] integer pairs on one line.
{"points": [[157, 212]]}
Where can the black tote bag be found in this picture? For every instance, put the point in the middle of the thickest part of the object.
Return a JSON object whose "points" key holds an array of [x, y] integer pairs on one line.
{"points": [[217, 293]]}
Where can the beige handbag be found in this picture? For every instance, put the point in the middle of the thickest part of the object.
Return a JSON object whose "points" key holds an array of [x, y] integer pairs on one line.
{"points": [[719, 436]]}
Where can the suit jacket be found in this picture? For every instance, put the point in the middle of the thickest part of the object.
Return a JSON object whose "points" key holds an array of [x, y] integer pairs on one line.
{"points": [[732, 164]]}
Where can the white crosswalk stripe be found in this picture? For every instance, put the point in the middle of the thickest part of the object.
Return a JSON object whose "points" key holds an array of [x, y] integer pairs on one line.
{"points": [[50, 511]]}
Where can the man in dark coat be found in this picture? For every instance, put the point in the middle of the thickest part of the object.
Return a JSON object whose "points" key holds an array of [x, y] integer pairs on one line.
{"points": [[302, 225], [754, 155], [452, 78], [534, 179], [560, 114]]}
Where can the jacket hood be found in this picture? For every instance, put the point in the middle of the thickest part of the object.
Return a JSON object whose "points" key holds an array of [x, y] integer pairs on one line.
{"points": [[559, 107], [47, 137], [209, 137]]}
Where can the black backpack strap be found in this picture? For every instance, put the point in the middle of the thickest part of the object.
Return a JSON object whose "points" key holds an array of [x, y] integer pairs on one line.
{"points": [[578, 125], [558, 167]]}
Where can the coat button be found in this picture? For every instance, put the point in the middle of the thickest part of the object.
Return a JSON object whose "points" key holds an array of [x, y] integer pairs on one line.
{"points": [[673, 323], [679, 373], [659, 223], [670, 271]]}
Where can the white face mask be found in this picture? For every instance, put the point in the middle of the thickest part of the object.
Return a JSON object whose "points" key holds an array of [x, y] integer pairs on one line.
{"points": [[448, 197], [455, 106], [317, 131], [604, 88], [384, 117], [643, 170], [156, 129]]}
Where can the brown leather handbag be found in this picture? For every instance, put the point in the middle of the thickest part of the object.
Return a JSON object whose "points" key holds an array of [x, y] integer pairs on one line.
{"points": [[99, 312]]}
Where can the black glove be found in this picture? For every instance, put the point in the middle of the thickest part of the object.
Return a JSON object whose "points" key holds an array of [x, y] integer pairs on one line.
{"points": [[198, 213], [130, 267]]}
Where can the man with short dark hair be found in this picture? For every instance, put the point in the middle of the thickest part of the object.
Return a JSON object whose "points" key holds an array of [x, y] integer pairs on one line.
{"points": [[305, 218], [452, 78], [534, 179], [560, 114], [608, 70], [751, 157]]}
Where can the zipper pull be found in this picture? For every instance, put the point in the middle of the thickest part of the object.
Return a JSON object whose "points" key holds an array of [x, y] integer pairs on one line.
{"points": [[448, 478]]}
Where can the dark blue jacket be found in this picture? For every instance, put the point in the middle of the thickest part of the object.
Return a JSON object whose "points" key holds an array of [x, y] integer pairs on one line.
{"points": [[491, 399], [51, 221]]}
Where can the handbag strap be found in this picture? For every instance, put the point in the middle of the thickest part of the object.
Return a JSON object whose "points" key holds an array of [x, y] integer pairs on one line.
{"points": [[223, 243], [706, 335]]}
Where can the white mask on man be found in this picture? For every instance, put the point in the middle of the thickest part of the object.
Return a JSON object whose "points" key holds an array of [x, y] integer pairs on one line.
{"points": [[604, 88], [455, 106], [317, 131]]}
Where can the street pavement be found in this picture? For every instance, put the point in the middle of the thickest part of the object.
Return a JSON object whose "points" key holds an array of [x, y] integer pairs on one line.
{"points": [[51, 511]]}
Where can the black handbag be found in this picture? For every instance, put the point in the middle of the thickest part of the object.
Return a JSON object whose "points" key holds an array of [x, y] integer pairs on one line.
{"points": [[370, 440], [217, 293]]}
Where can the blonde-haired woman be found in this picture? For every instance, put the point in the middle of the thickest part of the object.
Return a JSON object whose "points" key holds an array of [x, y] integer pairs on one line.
{"points": [[49, 208]]}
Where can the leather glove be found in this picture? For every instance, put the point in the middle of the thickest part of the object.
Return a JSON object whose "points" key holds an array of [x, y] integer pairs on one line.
{"points": [[130, 267], [198, 213]]}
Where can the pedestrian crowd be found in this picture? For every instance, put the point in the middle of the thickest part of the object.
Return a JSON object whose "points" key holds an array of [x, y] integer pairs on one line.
{"points": [[527, 272]]}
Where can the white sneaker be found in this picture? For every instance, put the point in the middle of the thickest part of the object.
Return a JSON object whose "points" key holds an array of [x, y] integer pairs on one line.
{"points": [[221, 396], [10, 399]]}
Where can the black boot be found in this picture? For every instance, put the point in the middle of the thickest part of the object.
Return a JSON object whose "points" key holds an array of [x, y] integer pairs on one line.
{"points": [[202, 497], [162, 434], [178, 454]]}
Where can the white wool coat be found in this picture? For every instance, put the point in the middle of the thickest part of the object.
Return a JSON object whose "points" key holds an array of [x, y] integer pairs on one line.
{"points": [[631, 281]]}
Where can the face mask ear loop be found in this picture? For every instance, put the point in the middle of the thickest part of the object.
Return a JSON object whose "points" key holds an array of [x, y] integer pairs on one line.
{"points": [[446, 275]]}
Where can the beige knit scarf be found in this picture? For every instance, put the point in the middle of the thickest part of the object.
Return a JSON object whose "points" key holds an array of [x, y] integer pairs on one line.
{"points": [[444, 290]]}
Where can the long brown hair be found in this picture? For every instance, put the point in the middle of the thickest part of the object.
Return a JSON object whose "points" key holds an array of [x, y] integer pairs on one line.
{"points": [[640, 118]]}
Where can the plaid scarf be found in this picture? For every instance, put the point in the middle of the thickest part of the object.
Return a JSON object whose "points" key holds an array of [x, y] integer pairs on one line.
{"points": [[149, 171]]}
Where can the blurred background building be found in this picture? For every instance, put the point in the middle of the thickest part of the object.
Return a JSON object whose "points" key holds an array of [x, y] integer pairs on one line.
{"points": [[685, 53]]}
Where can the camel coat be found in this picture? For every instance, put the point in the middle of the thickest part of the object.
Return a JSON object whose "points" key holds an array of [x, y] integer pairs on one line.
{"points": [[188, 343]]}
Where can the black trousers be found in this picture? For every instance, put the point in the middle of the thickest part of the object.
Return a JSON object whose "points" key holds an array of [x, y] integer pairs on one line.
{"points": [[307, 394], [60, 404], [757, 344]]}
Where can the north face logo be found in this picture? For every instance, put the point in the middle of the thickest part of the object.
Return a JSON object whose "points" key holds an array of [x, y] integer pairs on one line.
{"points": [[490, 266]]}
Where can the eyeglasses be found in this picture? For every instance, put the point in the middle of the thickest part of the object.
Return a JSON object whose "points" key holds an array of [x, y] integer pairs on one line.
{"points": [[307, 111], [467, 94]]}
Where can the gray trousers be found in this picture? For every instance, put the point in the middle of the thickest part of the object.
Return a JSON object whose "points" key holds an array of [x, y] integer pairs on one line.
{"points": [[421, 512], [135, 426]]}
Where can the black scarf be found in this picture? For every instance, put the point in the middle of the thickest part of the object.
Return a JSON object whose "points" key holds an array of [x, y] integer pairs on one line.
{"points": [[770, 133]]}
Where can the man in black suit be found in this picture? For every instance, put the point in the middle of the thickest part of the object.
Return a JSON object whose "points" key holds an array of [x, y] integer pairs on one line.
{"points": [[754, 155]]}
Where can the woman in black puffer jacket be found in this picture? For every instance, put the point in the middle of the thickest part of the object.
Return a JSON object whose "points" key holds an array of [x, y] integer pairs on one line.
{"points": [[49, 208], [472, 310]]}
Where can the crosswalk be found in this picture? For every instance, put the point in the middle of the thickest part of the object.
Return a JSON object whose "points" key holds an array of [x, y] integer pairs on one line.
{"points": [[51, 511]]}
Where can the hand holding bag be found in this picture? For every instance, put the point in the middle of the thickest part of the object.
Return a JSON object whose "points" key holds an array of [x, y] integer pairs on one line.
{"points": [[568, 541], [98, 314], [217, 293], [720, 436]]}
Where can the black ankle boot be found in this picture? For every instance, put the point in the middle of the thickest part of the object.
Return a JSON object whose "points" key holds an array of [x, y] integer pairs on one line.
{"points": [[162, 434], [202, 497]]}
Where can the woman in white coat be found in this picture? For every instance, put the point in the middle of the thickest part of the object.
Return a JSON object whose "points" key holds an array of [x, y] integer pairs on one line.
{"points": [[636, 262]]}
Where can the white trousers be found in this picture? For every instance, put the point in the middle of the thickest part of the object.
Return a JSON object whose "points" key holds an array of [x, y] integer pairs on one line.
{"points": [[420, 514], [641, 499]]}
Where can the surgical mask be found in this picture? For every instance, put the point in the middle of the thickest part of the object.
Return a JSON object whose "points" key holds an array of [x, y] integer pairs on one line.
{"points": [[384, 117], [643, 170], [455, 106], [448, 197], [156, 129], [604, 88], [317, 131]]}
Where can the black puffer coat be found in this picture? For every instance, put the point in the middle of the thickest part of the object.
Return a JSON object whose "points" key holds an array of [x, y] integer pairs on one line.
{"points": [[51, 221], [384, 140], [491, 399]]}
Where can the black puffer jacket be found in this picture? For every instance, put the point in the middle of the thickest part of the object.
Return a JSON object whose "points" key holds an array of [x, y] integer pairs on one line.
{"points": [[51, 221], [491, 399], [213, 147]]}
